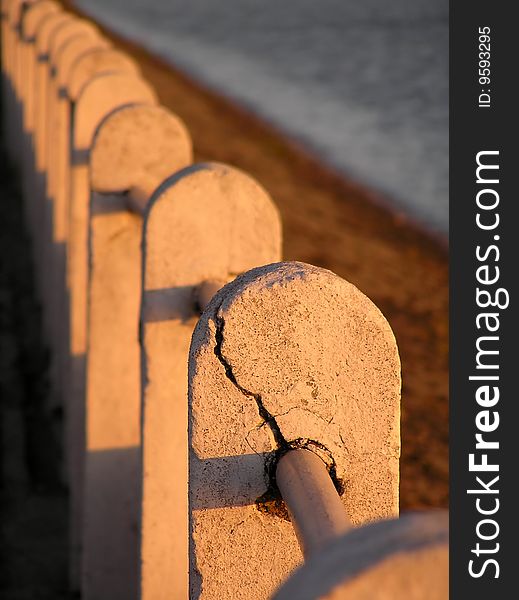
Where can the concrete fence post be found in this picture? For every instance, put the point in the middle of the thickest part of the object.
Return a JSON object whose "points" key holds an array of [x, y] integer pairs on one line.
{"points": [[6, 85], [286, 356], [57, 195], [84, 71], [74, 29], [47, 28], [105, 93], [32, 20], [133, 151], [99, 98], [14, 126], [206, 223], [98, 62], [77, 271], [10, 11], [68, 53], [397, 558]]}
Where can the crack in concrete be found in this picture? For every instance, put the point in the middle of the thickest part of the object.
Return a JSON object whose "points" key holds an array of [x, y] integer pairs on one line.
{"points": [[264, 414]]}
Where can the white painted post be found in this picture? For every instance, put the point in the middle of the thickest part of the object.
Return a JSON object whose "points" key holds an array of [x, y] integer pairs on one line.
{"points": [[398, 558], [133, 151], [286, 356], [207, 223]]}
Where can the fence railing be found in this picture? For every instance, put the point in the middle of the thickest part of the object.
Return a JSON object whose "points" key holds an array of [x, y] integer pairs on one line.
{"points": [[225, 413]]}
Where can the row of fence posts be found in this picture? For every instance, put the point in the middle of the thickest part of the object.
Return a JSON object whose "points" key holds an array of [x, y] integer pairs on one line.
{"points": [[221, 417]]}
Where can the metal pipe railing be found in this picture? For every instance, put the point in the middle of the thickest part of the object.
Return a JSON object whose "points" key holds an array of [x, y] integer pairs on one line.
{"points": [[206, 290], [316, 510]]}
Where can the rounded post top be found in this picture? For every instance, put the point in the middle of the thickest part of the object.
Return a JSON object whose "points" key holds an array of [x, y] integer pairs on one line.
{"points": [[70, 30], [136, 148], [48, 28], [102, 95], [34, 16], [224, 223], [97, 62], [320, 361], [71, 51]]}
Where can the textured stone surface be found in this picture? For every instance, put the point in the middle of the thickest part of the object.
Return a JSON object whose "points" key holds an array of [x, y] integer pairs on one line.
{"points": [[67, 54], [48, 251], [207, 222], [76, 28], [57, 194], [48, 29], [95, 63], [71, 51], [99, 97], [113, 410], [77, 276], [111, 477], [138, 146], [287, 354], [33, 18], [30, 24], [400, 558]]}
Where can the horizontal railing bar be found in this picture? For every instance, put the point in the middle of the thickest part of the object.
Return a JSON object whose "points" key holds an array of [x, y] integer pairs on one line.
{"points": [[316, 510]]}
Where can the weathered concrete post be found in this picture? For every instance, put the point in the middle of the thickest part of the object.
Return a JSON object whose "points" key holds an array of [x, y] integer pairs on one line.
{"points": [[77, 267], [398, 558], [56, 204], [4, 24], [15, 13], [32, 20], [208, 222], [9, 64], [98, 62], [68, 53], [84, 125], [134, 150], [98, 98], [58, 189], [7, 86], [74, 29], [91, 63], [48, 27], [286, 356]]}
